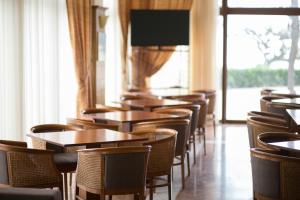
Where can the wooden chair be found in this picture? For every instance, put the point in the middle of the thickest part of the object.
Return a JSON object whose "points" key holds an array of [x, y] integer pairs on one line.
{"points": [[182, 127], [101, 110], [129, 96], [265, 139], [210, 95], [162, 142], [87, 124], [276, 118], [258, 125], [265, 100], [113, 106], [32, 168], [198, 99], [64, 158], [112, 171], [193, 122], [275, 176]]}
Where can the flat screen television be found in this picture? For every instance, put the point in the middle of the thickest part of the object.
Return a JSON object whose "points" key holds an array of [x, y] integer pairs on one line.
{"points": [[159, 27]]}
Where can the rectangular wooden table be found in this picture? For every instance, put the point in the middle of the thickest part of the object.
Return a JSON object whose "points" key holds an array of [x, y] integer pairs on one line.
{"points": [[89, 138], [150, 104], [125, 119]]}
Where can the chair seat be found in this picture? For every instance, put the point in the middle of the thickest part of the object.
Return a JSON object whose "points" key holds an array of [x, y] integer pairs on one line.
{"points": [[66, 162], [29, 194]]}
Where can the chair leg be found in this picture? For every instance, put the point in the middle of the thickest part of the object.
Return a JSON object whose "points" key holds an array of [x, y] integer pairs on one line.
{"points": [[65, 177], [204, 141], [182, 172], [214, 125], [61, 188], [151, 189], [188, 163], [70, 181], [194, 147], [169, 187]]}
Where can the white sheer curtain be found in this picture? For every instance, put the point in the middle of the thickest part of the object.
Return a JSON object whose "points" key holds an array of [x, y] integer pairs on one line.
{"points": [[11, 114], [46, 83], [113, 52]]}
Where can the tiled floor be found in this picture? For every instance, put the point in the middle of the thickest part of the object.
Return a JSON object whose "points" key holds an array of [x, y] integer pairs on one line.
{"points": [[224, 173]]}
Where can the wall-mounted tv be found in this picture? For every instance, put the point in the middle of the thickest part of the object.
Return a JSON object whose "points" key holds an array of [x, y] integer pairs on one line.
{"points": [[159, 27]]}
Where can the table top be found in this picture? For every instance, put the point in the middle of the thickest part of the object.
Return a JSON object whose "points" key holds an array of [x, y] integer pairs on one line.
{"points": [[292, 145], [128, 116], [153, 103], [85, 137], [287, 100], [295, 114]]}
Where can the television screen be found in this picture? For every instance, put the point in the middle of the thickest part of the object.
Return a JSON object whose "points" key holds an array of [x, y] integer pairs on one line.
{"points": [[159, 27]]}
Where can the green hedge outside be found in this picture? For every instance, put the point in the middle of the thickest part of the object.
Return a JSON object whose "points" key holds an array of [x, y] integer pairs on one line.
{"points": [[259, 77]]}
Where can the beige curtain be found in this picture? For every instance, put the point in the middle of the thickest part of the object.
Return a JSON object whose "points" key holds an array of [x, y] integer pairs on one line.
{"points": [[202, 44], [80, 25], [146, 61]]}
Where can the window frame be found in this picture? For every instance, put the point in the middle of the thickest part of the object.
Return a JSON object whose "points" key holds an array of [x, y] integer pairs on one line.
{"points": [[225, 10]]}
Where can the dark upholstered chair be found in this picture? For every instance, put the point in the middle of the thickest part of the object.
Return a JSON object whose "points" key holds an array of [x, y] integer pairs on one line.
{"points": [[265, 141], [258, 125], [193, 123], [210, 95], [277, 118], [182, 128], [65, 159], [13, 193], [22, 167], [275, 176], [161, 157], [112, 171]]}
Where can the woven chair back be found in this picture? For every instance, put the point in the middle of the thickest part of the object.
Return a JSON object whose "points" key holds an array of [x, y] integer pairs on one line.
{"points": [[113, 171], [258, 125], [162, 154], [180, 125]]}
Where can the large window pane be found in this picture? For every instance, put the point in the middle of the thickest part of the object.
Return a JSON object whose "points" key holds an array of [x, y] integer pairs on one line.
{"points": [[263, 3], [258, 56]]}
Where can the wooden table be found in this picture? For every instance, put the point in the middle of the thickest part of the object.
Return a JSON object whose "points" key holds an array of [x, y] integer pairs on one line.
{"points": [[89, 138], [287, 101], [150, 104], [125, 119], [289, 145]]}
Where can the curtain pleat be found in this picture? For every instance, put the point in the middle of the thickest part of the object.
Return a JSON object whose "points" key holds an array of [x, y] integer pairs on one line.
{"points": [[37, 80], [80, 24], [203, 44]]}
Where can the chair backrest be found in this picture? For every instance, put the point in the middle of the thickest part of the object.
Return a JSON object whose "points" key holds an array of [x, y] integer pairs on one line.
{"points": [[275, 176], [265, 139], [22, 167], [258, 125], [194, 118], [180, 125], [210, 94], [108, 171], [265, 100], [88, 124], [129, 96], [101, 110], [162, 154], [112, 106], [42, 128], [273, 117]]}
